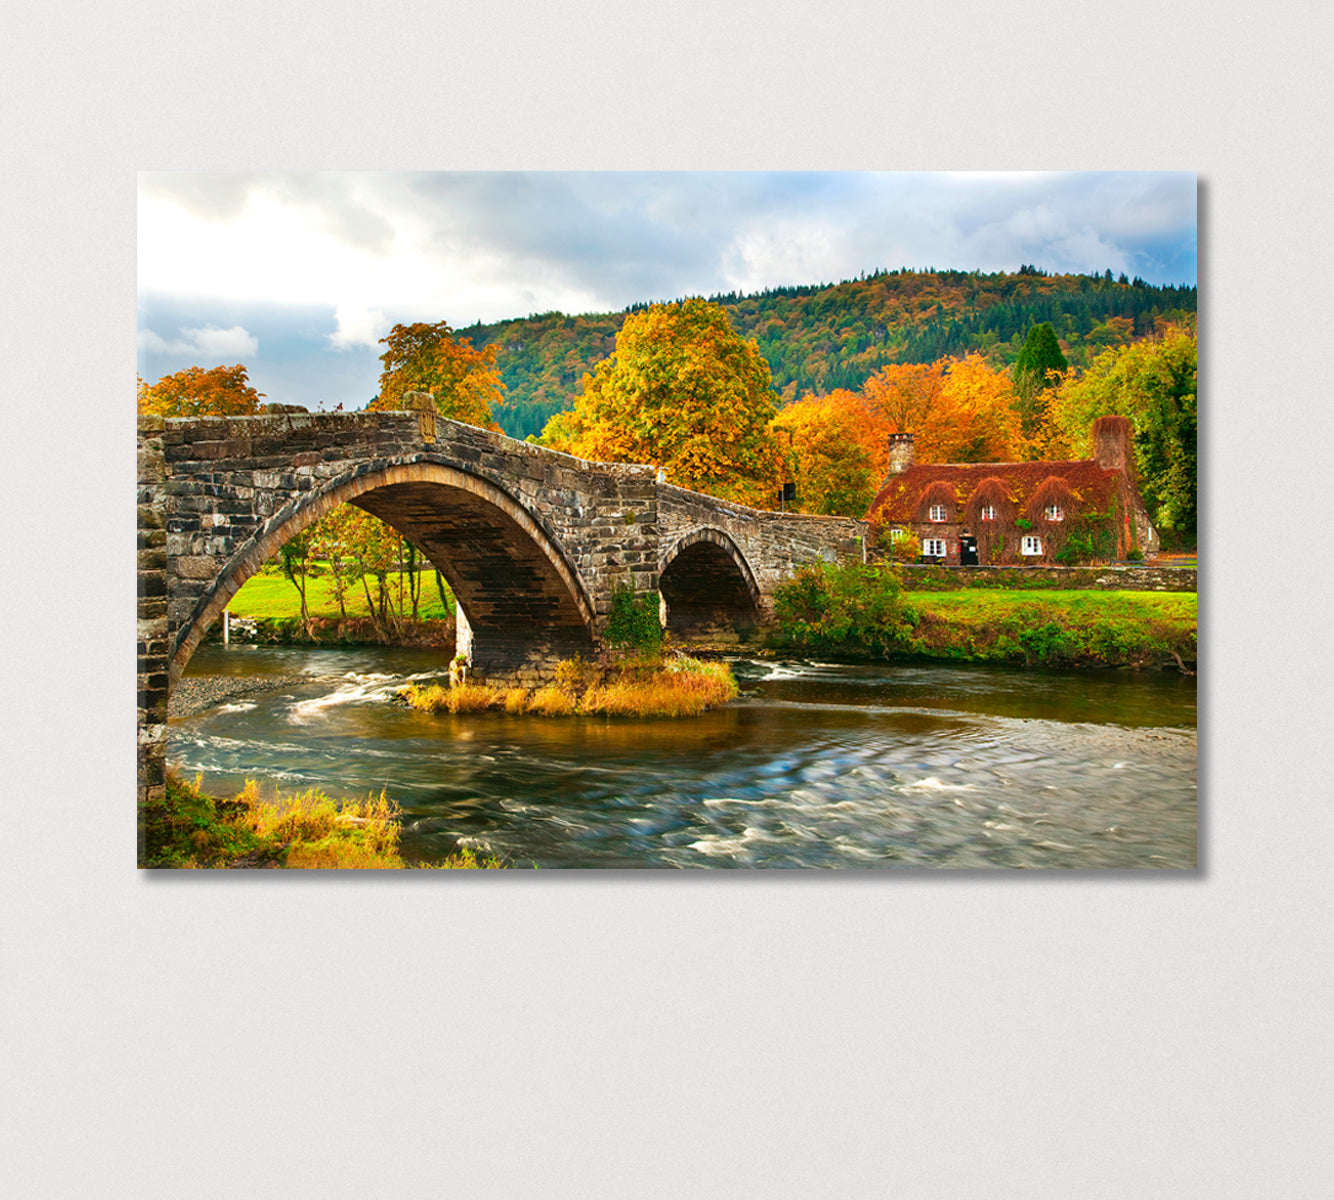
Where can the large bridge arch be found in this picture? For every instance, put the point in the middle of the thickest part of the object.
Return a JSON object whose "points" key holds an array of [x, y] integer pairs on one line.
{"points": [[708, 587], [522, 599]]}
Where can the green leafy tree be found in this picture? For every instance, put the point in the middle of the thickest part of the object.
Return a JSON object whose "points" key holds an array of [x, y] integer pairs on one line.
{"points": [[1040, 364], [299, 568], [684, 392], [1153, 382]]}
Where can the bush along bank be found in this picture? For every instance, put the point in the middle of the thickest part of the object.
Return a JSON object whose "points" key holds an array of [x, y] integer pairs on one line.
{"points": [[861, 612], [190, 829]]}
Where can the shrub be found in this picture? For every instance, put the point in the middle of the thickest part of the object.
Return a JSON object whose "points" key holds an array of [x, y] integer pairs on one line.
{"points": [[907, 548], [573, 674], [851, 607], [633, 623], [1078, 548]]}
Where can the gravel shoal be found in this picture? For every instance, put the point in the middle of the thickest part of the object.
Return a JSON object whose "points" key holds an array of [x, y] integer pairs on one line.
{"points": [[196, 693]]}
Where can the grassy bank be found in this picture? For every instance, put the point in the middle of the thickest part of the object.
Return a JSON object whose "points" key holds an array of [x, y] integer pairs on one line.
{"points": [[274, 604], [1089, 629], [308, 831], [639, 687], [271, 597], [858, 611]]}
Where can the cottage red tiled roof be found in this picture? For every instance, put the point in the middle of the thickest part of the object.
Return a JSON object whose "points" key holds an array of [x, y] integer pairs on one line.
{"points": [[901, 496]]}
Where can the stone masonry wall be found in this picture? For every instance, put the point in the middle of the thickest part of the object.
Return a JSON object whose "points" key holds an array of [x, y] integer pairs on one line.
{"points": [[153, 632], [1147, 578]]}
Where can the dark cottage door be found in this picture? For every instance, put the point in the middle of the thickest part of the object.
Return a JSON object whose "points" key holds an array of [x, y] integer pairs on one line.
{"points": [[967, 550]]}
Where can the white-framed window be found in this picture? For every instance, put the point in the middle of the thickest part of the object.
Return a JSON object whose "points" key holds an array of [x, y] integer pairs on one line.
{"points": [[933, 548], [1054, 512], [936, 512], [988, 512], [897, 535], [1031, 545]]}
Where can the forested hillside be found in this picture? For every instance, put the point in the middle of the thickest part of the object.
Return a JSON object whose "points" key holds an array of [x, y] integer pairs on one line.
{"points": [[824, 336]]}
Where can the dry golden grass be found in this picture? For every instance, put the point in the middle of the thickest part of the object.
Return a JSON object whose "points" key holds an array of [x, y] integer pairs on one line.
{"points": [[638, 687], [474, 697], [465, 698], [552, 701], [685, 688], [516, 700]]}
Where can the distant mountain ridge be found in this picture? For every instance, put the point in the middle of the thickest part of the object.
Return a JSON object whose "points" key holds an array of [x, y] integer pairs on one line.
{"points": [[819, 337]]}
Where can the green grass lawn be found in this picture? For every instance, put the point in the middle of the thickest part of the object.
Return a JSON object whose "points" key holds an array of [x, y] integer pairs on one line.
{"points": [[1173, 608], [1057, 627], [273, 597]]}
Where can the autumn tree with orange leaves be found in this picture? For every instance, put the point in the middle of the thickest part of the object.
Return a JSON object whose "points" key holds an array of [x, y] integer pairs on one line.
{"points": [[958, 410], [194, 392], [428, 358], [831, 447], [685, 392]]}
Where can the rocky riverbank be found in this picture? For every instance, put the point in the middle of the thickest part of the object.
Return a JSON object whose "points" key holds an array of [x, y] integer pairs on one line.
{"points": [[196, 693]]}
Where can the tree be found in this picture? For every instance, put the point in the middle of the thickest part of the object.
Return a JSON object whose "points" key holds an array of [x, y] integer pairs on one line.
{"points": [[1153, 382], [428, 358], [194, 392], [977, 418], [299, 567], [958, 410], [1039, 365], [685, 392], [831, 465]]}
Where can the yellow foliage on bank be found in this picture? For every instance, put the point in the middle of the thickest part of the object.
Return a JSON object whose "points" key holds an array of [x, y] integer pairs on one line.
{"points": [[680, 687], [303, 831]]}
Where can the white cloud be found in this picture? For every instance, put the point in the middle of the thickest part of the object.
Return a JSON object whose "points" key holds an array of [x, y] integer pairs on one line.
{"points": [[208, 342], [462, 247], [357, 326]]}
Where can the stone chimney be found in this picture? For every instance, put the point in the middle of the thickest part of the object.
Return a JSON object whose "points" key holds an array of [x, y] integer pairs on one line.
{"points": [[1111, 443], [901, 453]]}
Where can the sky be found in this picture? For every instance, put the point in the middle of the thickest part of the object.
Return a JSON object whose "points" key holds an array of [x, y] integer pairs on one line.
{"points": [[297, 275]]}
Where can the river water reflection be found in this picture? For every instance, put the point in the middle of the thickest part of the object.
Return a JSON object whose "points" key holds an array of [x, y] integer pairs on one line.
{"points": [[818, 765]]}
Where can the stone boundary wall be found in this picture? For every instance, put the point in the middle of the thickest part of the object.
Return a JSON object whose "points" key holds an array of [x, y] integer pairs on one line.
{"points": [[1145, 578]]}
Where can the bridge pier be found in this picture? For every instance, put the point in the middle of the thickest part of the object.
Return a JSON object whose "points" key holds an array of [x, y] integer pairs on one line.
{"points": [[510, 658]]}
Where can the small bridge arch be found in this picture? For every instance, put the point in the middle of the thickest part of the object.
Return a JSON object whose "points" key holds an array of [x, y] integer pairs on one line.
{"points": [[708, 586]]}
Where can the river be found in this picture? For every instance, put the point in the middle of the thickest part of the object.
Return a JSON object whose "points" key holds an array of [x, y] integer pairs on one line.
{"points": [[817, 765]]}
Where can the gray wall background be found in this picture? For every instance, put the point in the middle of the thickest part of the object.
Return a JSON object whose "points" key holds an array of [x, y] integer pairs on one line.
{"points": [[616, 1035]]}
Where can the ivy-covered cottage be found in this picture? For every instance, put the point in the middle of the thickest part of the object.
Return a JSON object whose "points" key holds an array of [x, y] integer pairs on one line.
{"points": [[1026, 513]]}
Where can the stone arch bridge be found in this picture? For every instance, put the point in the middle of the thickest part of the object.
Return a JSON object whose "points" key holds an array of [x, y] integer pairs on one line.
{"points": [[532, 542]]}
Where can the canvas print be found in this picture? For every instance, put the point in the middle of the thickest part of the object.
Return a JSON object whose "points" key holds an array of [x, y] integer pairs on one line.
{"points": [[678, 520]]}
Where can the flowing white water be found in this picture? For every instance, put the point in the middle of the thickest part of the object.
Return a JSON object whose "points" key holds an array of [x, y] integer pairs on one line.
{"points": [[817, 765]]}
